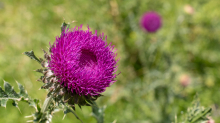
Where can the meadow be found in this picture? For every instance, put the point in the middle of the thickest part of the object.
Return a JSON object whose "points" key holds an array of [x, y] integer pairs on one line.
{"points": [[160, 73]]}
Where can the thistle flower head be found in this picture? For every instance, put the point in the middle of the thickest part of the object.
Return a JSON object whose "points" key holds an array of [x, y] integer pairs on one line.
{"points": [[151, 21], [83, 62]]}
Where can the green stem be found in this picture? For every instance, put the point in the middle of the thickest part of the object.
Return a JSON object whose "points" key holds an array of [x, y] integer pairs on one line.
{"points": [[46, 104], [201, 115]]}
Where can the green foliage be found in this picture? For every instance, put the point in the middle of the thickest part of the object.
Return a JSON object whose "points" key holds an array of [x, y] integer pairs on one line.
{"points": [[196, 113], [98, 113], [51, 106], [9, 94], [32, 56]]}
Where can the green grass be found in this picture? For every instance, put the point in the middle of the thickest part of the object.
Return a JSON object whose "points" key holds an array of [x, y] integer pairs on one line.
{"points": [[148, 89]]}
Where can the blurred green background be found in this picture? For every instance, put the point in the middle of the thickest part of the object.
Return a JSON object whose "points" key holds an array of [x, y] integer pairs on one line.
{"points": [[160, 72]]}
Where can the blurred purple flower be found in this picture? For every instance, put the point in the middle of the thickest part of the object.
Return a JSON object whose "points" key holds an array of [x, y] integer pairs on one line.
{"points": [[83, 61], [151, 21]]}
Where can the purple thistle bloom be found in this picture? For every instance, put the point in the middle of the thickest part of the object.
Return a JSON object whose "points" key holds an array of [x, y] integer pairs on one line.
{"points": [[151, 22], [83, 61]]}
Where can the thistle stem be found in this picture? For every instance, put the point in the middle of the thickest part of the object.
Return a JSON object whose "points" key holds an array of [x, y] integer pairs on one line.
{"points": [[46, 104]]}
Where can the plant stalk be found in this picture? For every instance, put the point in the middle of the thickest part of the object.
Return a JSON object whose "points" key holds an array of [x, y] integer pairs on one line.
{"points": [[46, 104]]}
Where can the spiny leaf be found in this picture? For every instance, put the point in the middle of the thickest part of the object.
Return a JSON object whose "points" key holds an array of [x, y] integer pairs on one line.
{"points": [[4, 102], [3, 98], [10, 94], [23, 92], [35, 103], [2, 93], [14, 103], [10, 91], [32, 56]]}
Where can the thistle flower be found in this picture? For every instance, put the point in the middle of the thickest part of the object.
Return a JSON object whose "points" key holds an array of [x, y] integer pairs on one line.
{"points": [[151, 21], [80, 67], [83, 62]]}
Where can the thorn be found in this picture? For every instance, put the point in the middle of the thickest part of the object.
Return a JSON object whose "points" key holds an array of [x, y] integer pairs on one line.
{"points": [[64, 116], [30, 121], [114, 121], [28, 116], [19, 99], [19, 109]]}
